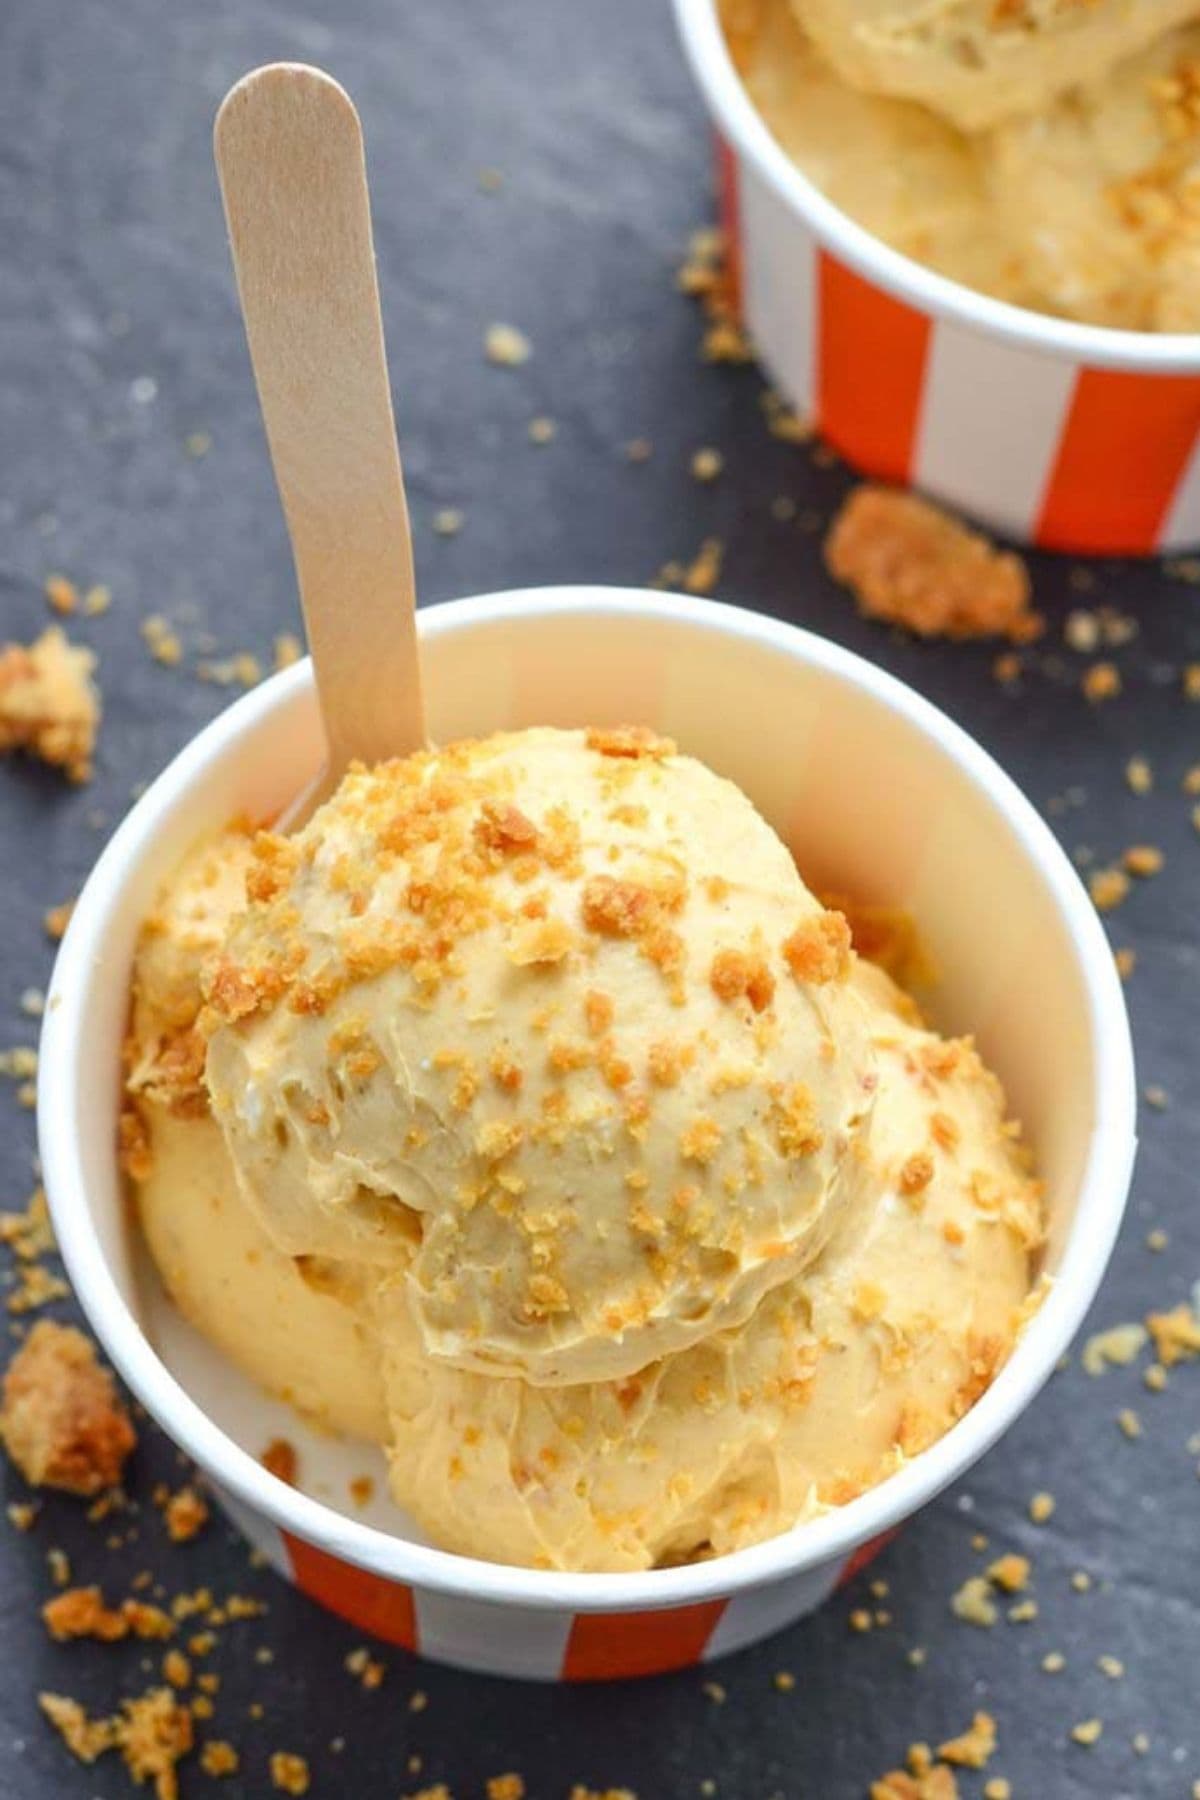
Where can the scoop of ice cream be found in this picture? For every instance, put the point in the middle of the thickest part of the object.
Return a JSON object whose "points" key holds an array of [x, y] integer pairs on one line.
{"points": [[838, 1377], [548, 1030], [896, 168], [1100, 192], [979, 62]]}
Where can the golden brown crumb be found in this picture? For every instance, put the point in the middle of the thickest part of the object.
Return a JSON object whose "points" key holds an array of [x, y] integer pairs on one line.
{"points": [[704, 571], [56, 919], [62, 1420], [973, 1602], [629, 741], [943, 1130], [937, 1783], [1143, 860], [700, 1140], [785, 424], [1088, 1732], [36, 1285], [598, 1011], [85, 1738], [1176, 1334], [819, 949], [706, 464], [1108, 888], [618, 908], [1101, 682], [134, 1155], [1010, 1572], [708, 275], [145, 1620], [362, 1489], [177, 1668], [735, 973], [910, 563], [974, 1747], [288, 650], [539, 941], [80, 1612], [29, 1234], [1126, 961], [1139, 775], [1041, 1508], [361, 1663], [61, 594], [161, 641], [1129, 1422], [506, 1073], [218, 1757], [792, 1116], [916, 1173], [506, 1787], [153, 1732], [997, 1789], [242, 669], [504, 828], [666, 1060], [1119, 1345], [289, 1773], [49, 704], [279, 1459], [186, 1515]]}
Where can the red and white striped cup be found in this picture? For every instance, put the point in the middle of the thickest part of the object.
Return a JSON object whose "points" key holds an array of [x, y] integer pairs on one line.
{"points": [[1070, 437], [890, 801]]}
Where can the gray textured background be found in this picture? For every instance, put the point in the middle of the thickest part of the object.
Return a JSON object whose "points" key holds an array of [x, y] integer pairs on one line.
{"points": [[113, 270]]}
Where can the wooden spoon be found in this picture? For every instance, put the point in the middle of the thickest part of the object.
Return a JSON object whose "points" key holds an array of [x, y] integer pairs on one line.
{"points": [[289, 153]]}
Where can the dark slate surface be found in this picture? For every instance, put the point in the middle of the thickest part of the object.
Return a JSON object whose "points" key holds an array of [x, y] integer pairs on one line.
{"points": [[120, 341]]}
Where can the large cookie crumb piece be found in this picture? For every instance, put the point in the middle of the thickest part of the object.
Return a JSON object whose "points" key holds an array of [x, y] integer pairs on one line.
{"points": [[62, 1420], [911, 564], [49, 704]]}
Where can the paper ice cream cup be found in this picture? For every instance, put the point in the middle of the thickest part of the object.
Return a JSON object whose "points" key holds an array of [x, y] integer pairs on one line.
{"points": [[883, 797], [1070, 437]]}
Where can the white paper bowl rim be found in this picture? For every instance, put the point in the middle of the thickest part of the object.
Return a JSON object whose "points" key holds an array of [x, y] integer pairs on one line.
{"points": [[835, 1535], [1098, 346]]}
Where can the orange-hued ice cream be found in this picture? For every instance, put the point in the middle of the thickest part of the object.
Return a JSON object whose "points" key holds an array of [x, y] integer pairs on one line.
{"points": [[527, 1114], [1046, 152]]}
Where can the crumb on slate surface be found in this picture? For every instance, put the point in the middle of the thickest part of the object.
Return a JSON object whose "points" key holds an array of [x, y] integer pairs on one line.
{"points": [[62, 1420], [911, 564], [49, 704]]}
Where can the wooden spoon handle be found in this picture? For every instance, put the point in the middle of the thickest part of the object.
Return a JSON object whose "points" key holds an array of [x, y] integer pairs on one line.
{"points": [[289, 154]]}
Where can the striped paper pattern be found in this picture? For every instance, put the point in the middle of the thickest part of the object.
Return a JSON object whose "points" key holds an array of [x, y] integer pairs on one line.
{"points": [[1042, 448]]}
